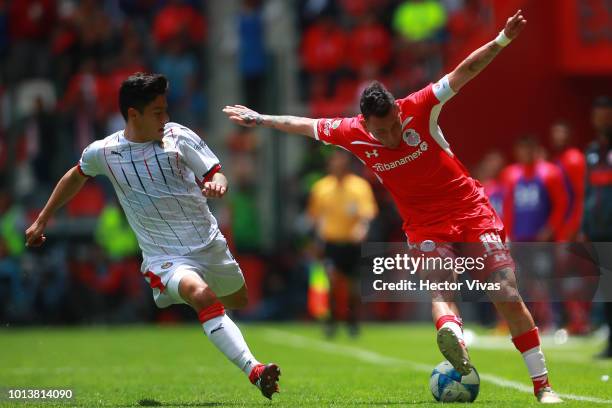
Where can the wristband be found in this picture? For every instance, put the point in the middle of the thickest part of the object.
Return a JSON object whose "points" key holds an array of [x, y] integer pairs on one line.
{"points": [[502, 39]]}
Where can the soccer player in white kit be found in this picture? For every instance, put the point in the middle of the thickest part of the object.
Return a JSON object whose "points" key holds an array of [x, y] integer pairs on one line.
{"points": [[163, 174]]}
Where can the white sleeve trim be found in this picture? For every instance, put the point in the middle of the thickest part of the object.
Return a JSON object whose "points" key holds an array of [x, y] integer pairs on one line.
{"points": [[443, 90], [316, 129]]}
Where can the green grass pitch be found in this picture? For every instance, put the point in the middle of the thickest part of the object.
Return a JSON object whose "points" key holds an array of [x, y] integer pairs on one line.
{"points": [[176, 366]]}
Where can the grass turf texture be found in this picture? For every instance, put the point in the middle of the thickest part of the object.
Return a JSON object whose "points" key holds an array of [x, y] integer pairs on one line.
{"points": [[177, 366]]}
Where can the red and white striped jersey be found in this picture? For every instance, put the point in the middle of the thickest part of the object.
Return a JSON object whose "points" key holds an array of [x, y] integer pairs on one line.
{"points": [[158, 186]]}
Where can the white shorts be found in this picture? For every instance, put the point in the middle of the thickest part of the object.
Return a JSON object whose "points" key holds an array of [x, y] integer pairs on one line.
{"points": [[215, 265]]}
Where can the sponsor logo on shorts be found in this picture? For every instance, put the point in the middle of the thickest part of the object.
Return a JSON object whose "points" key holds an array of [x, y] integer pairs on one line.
{"points": [[166, 265]]}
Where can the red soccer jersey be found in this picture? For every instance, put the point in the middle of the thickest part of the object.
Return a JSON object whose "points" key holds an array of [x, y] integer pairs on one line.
{"points": [[573, 168], [430, 186]]}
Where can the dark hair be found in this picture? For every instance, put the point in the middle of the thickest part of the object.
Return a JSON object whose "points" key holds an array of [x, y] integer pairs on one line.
{"points": [[139, 89], [528, 140], [602, 101], [376, 100]]}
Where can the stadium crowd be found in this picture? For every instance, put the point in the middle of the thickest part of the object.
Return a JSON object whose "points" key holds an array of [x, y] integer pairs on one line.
{"points": [[63, 61]]}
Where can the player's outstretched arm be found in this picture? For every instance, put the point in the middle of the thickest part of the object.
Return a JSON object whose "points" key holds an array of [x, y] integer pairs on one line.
{"points": [[479, 59], [66, 188], [244, 116]]}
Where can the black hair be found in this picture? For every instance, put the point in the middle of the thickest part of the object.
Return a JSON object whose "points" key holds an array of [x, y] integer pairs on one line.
{"points": [[376, 100], [139, 89], [602, 101]]}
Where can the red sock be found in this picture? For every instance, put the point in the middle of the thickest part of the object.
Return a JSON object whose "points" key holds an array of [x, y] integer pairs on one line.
{"points": [[528, 344], [448, 318], [539, 383], [452, 322], [214, 310]]}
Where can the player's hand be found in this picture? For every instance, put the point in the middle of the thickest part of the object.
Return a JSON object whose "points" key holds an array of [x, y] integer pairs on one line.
{"points": [[213, 190], [34, 234], [243, 116], [515, 25], [359, 232]]}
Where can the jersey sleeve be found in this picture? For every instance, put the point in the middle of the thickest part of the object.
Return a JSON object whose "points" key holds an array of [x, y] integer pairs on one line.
{"points": [[332, 131], [432, 94], [198, 156], [89, 163]]}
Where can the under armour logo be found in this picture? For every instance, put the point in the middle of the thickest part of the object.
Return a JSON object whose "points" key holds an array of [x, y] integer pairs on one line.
{"points": [[373, 153], [117, 153], [216, 329]]}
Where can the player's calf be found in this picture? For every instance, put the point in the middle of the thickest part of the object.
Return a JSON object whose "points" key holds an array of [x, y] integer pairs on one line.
{"points": [[525, 335]]}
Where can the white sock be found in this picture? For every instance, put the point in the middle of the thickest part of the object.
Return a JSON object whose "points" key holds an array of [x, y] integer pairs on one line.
{"points": [[534, 360], [226, 336], [455, 328]]}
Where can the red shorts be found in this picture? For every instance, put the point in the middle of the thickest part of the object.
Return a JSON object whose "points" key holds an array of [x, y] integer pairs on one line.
{"points": [[479, 235]]}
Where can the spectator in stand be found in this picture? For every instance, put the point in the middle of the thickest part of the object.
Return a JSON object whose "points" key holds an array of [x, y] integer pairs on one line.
{"points": [[419, 20], [487, 173], [597, 219], [30, 25], [81, 103], [536, 202], [535, 205], [252, 52], [369, 44], [571, 162], [323, 52], [572, 165], [96, 34], [179, 18]]}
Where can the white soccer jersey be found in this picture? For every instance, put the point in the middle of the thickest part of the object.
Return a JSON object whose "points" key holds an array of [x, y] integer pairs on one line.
{"points": [[157, 186]]}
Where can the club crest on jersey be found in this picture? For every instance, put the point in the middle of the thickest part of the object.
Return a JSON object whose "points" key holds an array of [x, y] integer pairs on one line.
{"points": [[411, 137], [373, 153], [166, 265]]}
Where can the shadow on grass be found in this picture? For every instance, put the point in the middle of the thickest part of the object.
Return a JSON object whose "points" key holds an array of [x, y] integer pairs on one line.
{"points": [[155, 403]]}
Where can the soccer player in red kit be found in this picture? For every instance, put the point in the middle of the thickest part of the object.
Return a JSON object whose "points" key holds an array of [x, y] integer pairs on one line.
{"points": [[400, 141], [572, 164]]}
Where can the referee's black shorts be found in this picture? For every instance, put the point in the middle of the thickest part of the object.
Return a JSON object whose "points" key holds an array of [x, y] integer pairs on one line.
{"points": [[344, 257]]}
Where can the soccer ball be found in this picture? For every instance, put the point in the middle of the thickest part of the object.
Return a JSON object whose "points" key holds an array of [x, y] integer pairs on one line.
{"points": [[448, 385]]}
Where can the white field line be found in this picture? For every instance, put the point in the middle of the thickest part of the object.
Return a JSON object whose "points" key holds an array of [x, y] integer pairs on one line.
{"points": [[297, 341]]}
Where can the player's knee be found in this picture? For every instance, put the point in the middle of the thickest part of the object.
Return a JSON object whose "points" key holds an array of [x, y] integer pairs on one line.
{"points": [[202, 297]]}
